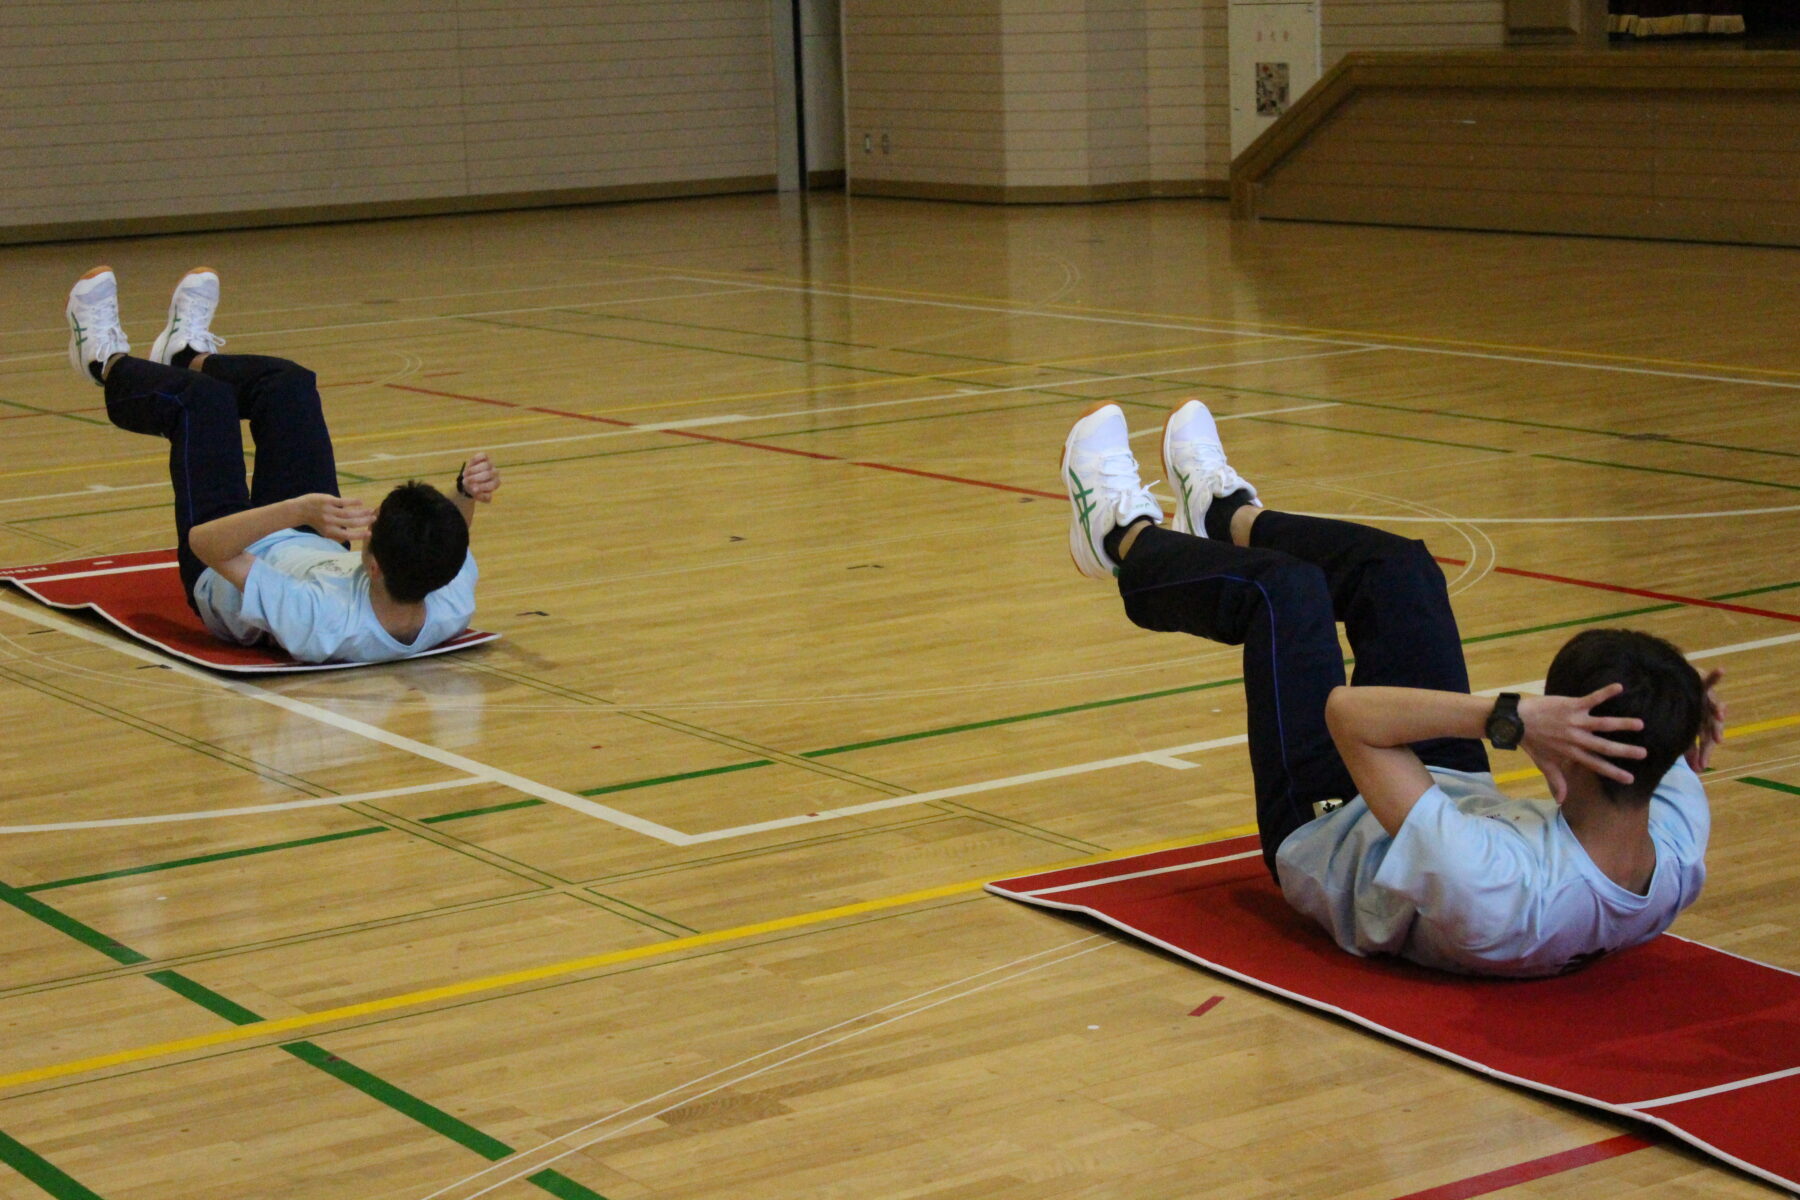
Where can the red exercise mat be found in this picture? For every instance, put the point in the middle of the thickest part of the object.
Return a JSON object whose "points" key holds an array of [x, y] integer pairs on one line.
{"points": [[1703, 1043], [141, 594]]}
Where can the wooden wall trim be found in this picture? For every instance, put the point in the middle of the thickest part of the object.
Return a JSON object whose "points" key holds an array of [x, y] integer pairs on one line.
{"points": [[433, 206], [981, 193], [1334, 156]]}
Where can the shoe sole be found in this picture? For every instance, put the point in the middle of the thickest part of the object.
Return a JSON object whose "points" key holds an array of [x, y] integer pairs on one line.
{"points": [[157, 347], [75, 358], [1062, 469]]}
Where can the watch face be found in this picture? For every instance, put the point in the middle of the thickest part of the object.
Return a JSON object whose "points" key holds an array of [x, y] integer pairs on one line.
{"points": [[1504, 729]]}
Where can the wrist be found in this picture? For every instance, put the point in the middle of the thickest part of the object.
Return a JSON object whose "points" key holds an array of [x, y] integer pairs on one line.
{"points": [[1505, 724]]}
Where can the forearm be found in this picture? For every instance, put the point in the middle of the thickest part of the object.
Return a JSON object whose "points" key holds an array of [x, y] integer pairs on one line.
{"points": [[465, 506], [219, 541], [1385, 717]]}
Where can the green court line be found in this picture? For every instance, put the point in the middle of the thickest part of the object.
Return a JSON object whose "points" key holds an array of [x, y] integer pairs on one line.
{"points": [[1771, 784], [1616, 616], [402, 1102], [91, 938], [195, 860], [52, 412], [96, 512], [940, 731], [483, 811], [42, 1171], [634, 784], [1757, 591], [1399, 437], [1491, 420], [1595, 462]]}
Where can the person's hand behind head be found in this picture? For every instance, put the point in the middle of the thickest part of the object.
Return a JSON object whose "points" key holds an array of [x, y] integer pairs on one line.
{"points": [[480, 478], [336, 517]]}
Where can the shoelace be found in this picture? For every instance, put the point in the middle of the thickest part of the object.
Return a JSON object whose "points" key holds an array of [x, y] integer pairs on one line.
{"points": [[204, 341], [1119, 479], [108, 338]]}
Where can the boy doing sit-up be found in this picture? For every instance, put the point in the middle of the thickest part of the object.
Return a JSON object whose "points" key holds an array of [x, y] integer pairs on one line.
{"points": [[266, 558], [1378, 814]]}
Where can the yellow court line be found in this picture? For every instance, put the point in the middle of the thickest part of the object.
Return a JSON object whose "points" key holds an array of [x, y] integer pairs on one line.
{"points": [[1364, 334], [1734, 731], [1763, 726], [489, 983]]}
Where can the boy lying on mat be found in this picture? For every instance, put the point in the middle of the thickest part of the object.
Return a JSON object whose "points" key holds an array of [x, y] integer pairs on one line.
{"points": [[267, 559], [1378, 814]]}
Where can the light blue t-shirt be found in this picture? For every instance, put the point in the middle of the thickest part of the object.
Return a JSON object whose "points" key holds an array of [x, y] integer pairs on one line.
{"points": [[1480, 883], [311, 596]]}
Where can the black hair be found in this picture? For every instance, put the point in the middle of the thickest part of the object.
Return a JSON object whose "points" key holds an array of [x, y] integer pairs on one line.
{"points": [[419, 539], [1662, 689]]}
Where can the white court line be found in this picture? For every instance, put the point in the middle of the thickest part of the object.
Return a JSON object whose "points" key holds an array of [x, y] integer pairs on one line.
{"points": [[1547, 360], [1153, 757], [734, 419], [1167, 757], [1697, 1093], [1183, 866], [615, 281], [247, 810], [351, 725], [737, 418], [492, 312]]}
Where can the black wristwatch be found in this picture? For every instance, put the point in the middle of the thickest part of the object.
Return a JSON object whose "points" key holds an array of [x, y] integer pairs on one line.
{"points": [[460, 490], [1505, 729]]}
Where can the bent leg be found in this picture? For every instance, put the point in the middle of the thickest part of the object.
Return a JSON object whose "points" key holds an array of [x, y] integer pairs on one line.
{"points": [[1279, 609], [280, 399], [199, 416], [1395, 606]]}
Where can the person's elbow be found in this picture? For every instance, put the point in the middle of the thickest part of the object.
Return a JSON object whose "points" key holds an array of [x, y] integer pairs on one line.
{"points": [[1340, 708]]}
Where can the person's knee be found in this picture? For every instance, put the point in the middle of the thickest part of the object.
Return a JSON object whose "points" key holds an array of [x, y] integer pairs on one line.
{"points": [[1409, 561], [298, 383], [1295, 586], [207, 400]]}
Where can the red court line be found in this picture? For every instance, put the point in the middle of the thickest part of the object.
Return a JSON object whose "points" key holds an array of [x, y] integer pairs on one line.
{"points": [[1537, 1168], [1650, 595], [1207, 1007], [1670, 597], [1646, 593], [999, 487], [402, 387]]}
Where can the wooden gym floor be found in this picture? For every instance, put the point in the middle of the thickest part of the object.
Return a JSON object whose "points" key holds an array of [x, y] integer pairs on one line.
{"points": [[673, 892]]}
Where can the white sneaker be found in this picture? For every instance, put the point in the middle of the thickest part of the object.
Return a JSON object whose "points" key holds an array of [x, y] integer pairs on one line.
{"points": [[1101, 477], [191, 311], [1194, 460], [93, 311]]}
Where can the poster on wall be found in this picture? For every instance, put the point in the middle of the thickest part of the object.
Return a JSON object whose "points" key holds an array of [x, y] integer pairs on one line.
{"points": [[1274, 54]]}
